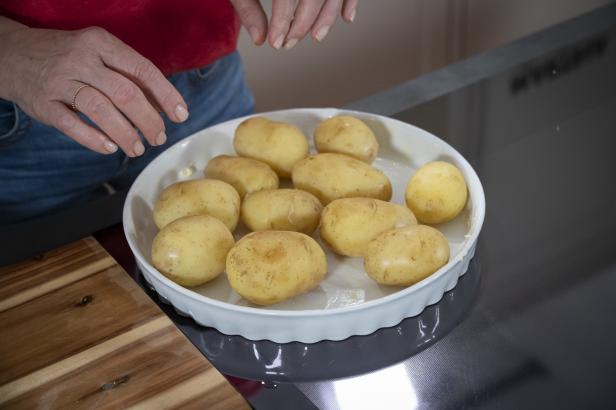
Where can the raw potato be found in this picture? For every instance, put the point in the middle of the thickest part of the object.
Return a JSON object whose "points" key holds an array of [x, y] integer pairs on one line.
{"points": [[244, 174], [282, 210], [186, 198], [332, 176], [437, 193], [407, 255], [347, 135], [192, 250], [268, 267], [349, 224], [278, 144]]}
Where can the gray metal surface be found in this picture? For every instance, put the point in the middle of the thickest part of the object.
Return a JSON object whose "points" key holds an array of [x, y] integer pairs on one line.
{"points": [[455, 76]]}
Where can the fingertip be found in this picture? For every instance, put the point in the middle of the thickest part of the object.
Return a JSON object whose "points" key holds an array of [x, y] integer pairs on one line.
{"points": [[110, 147], [256, 35], [277, 42], [181, 113], [349, 16], [290, 43], [138, 148], [320, 33], [161, 138]]}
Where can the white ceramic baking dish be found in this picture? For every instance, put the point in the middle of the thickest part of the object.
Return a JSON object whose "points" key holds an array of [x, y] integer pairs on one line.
{"points": [[347, 302]]}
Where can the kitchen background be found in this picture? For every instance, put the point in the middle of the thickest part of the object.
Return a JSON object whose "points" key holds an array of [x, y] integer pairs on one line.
{"points": [[392, 41]]}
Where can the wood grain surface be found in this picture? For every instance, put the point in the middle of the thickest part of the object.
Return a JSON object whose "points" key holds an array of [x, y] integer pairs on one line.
{"points": [[77, 332]]}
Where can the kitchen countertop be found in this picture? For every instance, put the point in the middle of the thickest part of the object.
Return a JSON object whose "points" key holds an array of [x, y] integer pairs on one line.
{"points": [[531, 325]]}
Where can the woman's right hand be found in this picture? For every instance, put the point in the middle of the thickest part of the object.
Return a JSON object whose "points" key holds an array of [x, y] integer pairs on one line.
{"points": [[42, 70]]}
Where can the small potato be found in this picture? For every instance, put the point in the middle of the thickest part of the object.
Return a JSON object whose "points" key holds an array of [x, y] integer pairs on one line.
{"points": [[332, 176], [404, 256], [192, 250], [185, 198], [278, 144], [268, 267], [436, 193], [347, 135], [349, 224], [282, 210], [244, 174]]}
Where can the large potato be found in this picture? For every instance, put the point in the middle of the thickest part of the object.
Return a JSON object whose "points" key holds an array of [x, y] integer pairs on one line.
{"points": [[282, 210], [347, 135], [332, 176], [268, 267], [404, 256], [278, 144], [192, 250], [436, 193], [185, 198], [244, 174], [348, 224]]}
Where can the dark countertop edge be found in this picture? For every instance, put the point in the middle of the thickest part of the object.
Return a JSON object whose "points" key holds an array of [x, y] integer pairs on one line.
{"points": [[457, 75]]}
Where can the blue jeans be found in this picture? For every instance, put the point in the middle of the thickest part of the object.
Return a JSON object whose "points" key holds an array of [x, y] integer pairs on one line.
{"points": [[42, 170]]}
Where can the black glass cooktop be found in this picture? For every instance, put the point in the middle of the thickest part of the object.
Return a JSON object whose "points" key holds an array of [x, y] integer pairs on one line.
{"points": [[533, 322]]}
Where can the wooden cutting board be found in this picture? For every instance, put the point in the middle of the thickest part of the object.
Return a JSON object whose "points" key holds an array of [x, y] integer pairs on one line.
{"points": [[77, 332]]}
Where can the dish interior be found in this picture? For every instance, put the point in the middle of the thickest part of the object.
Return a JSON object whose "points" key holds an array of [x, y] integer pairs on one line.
{"points": [[403, 149]]}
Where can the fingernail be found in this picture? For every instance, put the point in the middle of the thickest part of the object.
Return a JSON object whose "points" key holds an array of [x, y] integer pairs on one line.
{"points": [[110, 147], [181, 113], [290, 43], [138, 148], [161, 138], [278, 42], [254, 34], [321, 33], [352, 16]]}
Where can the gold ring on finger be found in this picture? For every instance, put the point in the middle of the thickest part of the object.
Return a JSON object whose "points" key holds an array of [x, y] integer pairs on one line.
{"points": [[81, 87]]}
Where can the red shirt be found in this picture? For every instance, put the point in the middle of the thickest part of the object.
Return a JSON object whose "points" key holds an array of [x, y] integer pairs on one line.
{"points": [[175, 35]]}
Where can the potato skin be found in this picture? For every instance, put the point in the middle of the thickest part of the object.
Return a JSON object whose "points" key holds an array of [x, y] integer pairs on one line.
{"points": [[404, 256], [192, 250], [345, 134], [349, 224], [282, 210], [332, 176], [278, 144], [244, 174], [437, 192], [185, 198], [267, 267]]}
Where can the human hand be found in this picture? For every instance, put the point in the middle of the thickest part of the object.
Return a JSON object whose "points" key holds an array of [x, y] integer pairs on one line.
{"points": [[42, 71], [292, 20]]}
